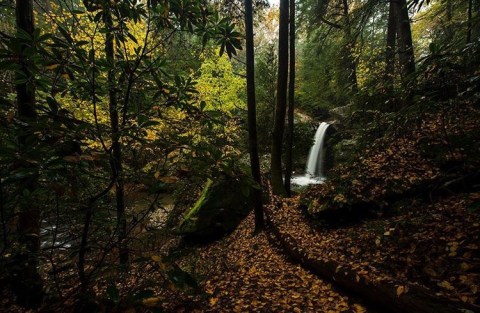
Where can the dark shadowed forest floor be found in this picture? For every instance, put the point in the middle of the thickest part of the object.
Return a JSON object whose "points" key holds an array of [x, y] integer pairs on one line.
{"points": [[245, 273]]}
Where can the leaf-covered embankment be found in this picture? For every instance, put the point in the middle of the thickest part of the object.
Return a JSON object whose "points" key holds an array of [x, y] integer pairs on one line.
{"points": [[436, 271]]}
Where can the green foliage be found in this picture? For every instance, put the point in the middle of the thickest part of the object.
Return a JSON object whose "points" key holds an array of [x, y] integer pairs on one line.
{"points": [[173, 124], [218, 86], [266, 80]]}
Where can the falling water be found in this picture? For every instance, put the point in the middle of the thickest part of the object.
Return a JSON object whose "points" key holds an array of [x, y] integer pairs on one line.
{"points": [[314, 169], [317, 154]]}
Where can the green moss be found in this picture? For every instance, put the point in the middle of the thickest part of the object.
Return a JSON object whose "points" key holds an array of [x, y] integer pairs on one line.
{"points": [[221, 206]]}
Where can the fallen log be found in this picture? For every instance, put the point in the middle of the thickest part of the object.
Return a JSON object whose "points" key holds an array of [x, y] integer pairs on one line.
{"points": [[388, 293]]}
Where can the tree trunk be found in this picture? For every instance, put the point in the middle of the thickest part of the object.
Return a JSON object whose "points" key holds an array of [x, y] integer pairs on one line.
{"points": [[281, 106], [252, 117], [405, 45], [351, 65], [449, 16], [27, 283], [390, 50], [291, 103], [116, 154], [469, 21]]}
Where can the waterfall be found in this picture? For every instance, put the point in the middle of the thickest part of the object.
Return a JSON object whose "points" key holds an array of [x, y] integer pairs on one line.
{"points": [[314, 169], [317, 153]]}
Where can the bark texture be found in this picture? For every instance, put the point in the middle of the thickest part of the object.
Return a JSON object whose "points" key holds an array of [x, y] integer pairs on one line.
{"points": [[291, 104], [281, 106], [252, 117]]}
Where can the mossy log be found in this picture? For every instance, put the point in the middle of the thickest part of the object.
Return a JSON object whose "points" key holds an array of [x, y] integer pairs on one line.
{"points": [[223, 203]]}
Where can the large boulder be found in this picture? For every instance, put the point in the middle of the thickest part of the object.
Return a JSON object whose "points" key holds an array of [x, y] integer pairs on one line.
{"points": [[222, 205]]}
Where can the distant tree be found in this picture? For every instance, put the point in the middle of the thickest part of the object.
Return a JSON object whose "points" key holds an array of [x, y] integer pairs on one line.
{"points": [[252, 117], [405, 44], [349, 48], [469, 21], [390, 49], [281, 106]]}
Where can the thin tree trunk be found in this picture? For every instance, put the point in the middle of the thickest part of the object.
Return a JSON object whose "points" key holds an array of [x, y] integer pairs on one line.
{"points": [[390, 50], [449, 17], [281, 106], [116, 154], [469, 21], [405, 45], [27, 285], [349, 49], [252, 117], [82, 251], [291, 103]]}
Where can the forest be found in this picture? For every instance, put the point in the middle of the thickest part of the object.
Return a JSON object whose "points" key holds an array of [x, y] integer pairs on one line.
{"points": [[240, 156]]}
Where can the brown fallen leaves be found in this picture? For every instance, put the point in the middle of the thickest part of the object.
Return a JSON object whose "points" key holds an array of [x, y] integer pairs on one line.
{"points": [[245, 273], [436, 246]]}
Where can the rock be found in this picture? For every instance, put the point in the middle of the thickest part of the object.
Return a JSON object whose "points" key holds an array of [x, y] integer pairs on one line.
{"points": [[220, 208]]}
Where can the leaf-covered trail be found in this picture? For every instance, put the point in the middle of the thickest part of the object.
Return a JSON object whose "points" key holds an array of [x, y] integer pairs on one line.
{"points": [[246, 273]]}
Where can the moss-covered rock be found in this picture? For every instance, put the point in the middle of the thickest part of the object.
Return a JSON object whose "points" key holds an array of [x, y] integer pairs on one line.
{"points": [[223, 203]]}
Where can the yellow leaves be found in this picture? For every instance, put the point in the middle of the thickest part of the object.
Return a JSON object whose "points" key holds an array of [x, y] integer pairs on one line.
{"points": [[389, 232], [446, 285], [166, 179], [213, 301], [340, 198], [52, 67], [359, 308], [156, 258], [169, 179], [151, 302], [401, 290]]}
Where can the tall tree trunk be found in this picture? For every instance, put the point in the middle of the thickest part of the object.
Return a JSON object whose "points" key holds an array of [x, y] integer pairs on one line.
{"points": [[449, 17], [351, 64], [116, 154], [27, 283], [469, 21], [291, 103], [405, 46], [280, 109], [390, 49], [252, 117]]}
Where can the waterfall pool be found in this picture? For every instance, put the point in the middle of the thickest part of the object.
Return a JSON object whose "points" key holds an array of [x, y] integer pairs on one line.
{"points": [[305, 180]]}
